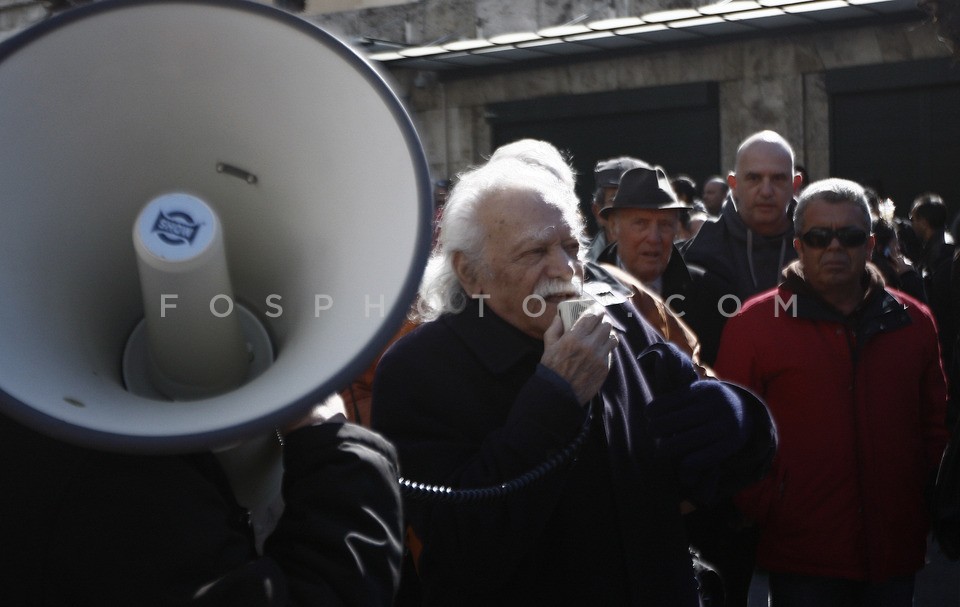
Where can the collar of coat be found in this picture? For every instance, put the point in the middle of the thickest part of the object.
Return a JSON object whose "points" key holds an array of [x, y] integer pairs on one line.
{"points": [[498, 345], [878, 311]]}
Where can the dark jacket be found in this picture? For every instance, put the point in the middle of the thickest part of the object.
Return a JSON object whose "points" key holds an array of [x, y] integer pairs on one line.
{"points": [[936, 267], [743, 262], [83, 527], [691, 294], [467, 404], [859, 403]]}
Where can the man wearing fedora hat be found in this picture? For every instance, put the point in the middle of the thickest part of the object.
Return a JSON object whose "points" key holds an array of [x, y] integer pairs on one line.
{"points": [[645, 219]]}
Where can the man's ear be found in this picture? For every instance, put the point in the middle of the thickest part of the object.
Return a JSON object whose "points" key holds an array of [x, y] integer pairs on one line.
{"points": [[467, 273], [797, 182], [732, 180]]}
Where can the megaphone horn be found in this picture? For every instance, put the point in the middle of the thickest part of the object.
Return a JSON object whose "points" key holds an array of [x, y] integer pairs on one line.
{"points": [[308, 166]]}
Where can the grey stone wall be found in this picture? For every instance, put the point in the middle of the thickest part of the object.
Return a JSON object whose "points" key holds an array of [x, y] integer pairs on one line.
{"points": [[775, 83], [428, 21], [18, 14]]}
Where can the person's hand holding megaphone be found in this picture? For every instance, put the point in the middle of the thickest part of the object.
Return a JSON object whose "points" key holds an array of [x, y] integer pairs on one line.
{"points": [[330, 410]]}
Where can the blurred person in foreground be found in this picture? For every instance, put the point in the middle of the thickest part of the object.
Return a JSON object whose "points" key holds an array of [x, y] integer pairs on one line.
{"points": [[90, 527]]}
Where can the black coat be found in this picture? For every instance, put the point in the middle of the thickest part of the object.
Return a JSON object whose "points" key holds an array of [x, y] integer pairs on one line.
{"points": [[936, 267], [83, 527], [467, 404]]}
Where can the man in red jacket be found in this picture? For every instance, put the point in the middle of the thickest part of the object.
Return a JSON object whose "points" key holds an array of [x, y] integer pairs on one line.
{"points": [[852, 375]]}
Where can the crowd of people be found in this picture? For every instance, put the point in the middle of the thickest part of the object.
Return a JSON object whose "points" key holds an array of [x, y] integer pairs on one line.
{"points": [[761, 374], [768, 390]]}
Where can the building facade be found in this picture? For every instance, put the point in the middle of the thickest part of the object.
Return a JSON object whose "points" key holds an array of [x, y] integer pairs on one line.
{"points": [[863, 89], [866, 92]]}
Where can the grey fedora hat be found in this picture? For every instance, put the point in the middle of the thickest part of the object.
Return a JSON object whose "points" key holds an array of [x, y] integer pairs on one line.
{"points": [[644, 187]]}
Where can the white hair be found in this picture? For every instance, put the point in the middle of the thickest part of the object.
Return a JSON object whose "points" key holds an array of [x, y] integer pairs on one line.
{"points": [[461, 230], [541, 154]]}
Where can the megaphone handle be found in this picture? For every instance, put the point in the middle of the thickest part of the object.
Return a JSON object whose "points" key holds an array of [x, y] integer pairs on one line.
{"points": [[194, 337]]}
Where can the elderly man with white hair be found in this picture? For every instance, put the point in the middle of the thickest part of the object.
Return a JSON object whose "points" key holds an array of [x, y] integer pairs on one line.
{"points": [[491, 386]]}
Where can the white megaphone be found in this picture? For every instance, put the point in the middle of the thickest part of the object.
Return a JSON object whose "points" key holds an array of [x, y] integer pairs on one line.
{"points": [[166, 118]]}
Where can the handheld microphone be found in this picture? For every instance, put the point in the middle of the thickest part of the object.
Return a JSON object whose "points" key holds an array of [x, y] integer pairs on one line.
{"points": [[572, 309]]}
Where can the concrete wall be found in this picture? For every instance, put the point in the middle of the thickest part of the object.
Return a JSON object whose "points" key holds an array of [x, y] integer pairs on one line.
{"points": [[427, 21], [775, 83], [18, 14]]}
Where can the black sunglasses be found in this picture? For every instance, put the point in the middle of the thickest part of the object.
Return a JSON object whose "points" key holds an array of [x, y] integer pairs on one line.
{"points": [[820, 238]]}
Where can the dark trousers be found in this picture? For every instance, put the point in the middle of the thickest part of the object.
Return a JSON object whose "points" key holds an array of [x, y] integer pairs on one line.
{"points": [[790, 590]]}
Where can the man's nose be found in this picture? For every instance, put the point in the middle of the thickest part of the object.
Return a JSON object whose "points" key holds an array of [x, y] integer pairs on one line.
{"points": [[766, 186], [562, 264], [654, 235]]}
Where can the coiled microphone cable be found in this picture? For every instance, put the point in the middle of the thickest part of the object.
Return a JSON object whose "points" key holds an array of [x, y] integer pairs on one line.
{"points": [[449, 495]]}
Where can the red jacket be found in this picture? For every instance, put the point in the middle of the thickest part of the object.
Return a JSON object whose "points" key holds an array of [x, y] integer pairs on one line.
{"points": [[859, 404]]}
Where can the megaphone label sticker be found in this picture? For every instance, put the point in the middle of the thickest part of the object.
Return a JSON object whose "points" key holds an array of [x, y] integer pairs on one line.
{"points": [[176, 228]]}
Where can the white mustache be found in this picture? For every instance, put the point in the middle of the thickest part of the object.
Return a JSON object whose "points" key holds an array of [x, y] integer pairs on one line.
{"points": [[555, 286]]}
